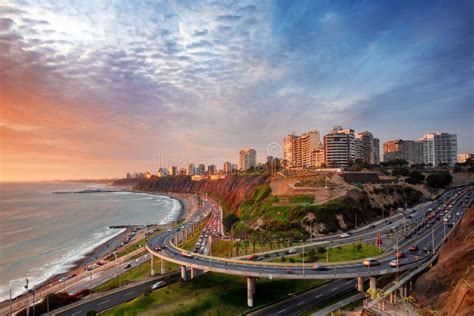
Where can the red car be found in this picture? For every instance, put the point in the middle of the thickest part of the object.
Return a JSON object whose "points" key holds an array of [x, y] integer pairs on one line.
{"points": [[400, 255], [413, 248]]}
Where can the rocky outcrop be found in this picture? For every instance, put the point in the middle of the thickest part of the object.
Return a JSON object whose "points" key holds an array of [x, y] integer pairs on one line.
{"points": [[231, 191], [448, 288]]}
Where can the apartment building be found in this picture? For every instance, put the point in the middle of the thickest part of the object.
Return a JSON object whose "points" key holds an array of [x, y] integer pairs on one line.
{"points": [[247, 159], [439, 148], [339, 147], [297, 150], [227, 167]]}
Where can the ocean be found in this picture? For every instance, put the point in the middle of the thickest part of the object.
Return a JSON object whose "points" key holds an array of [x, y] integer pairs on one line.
{"points": [[42, 234]]}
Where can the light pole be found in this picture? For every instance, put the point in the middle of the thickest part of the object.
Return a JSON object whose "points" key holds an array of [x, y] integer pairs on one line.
{"points": [[11, 313], [116, 268], [302, 241], [27, 301]]}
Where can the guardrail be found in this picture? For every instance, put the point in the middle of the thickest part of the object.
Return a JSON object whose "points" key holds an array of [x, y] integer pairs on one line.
{"points": [[410, 274]]}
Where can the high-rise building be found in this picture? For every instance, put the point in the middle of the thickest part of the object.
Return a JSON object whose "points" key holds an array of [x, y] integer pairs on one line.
{"points": [[227, 167], [376, 151], [247, 159], [190, 169], [364, 146], [317, 157], [339, 147], [464, 156], [298, 149], [201, 169], [211, 169], [440, 148], [173, 171], [409, 150]]}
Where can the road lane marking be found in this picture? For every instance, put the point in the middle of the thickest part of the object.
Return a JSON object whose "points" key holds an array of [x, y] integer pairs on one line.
{"points": [[332, 290], [101, 303], [318, 296], [348, 282], [301, 303], [77, 313], [129, 293], [283, 310]]}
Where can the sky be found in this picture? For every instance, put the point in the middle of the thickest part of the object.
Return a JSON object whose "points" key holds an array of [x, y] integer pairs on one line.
{"points": [[95, 89]]}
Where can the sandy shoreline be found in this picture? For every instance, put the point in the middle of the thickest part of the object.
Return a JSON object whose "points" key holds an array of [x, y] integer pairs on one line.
{"points": [[105, 249]]}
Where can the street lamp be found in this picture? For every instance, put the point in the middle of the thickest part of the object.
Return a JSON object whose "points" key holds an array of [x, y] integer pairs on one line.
{"points": [[302, 240]]}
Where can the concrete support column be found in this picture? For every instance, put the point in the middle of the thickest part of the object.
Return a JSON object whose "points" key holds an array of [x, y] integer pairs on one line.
{"points": [[360, 284], [152, 265], [405, 291], [184, 274], [163, 266], [372, 282], [254, 286], [410, 286], [250, 291], [195, 272]]}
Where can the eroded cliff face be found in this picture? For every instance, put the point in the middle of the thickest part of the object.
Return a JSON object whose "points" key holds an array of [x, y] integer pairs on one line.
{"points": [[231, 191], [448, 288]]}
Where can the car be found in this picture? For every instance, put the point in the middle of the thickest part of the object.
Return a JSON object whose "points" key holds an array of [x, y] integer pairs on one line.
{"points": [[188, 254], [400, 255], [369, 262], [158, 285], [251, 257], [289, 271], [413, 248], [450, 225], [291, 251], [260, 258], [318, 267], [372, 226], [395, 263], [345, 235], [445, 219], [128, 266], [157, 248], [427, 249]]}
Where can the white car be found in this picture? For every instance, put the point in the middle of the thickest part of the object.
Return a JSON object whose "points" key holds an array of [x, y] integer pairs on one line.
{"points": [[158, 285], [345, 235]]}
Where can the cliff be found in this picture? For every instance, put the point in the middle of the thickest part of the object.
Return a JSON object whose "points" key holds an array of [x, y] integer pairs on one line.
{"points": [[231, 191], [448, 288]]}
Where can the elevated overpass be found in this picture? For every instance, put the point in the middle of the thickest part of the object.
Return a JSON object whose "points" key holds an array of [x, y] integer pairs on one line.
{"points": [[192, 264]]}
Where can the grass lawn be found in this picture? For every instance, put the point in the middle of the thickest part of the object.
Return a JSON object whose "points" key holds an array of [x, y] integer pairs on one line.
{"points": [[210, 294], [133, 275], [340, 253], [223, 248]]}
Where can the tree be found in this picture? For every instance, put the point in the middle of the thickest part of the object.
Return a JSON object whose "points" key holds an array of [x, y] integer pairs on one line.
{"points": [[230, 220], [415, 177], [439, 180]]}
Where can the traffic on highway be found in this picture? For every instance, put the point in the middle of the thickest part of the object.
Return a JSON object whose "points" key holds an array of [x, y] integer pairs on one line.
{"points": [[415, 239]]}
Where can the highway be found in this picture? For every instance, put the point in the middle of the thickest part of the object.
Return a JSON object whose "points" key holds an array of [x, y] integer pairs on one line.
{"points": [[308, 299], [296, 271], [119, 296]]}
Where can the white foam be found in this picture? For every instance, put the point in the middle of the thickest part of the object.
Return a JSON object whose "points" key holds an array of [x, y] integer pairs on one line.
{"points": [[63, 264]]}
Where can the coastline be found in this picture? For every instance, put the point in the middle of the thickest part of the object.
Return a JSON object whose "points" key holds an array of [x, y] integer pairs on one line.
{"points": [[108, 247]]}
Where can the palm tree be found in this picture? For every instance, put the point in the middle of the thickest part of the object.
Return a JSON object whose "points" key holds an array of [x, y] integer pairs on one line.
{"points": [[246, 245], [238, 245]]}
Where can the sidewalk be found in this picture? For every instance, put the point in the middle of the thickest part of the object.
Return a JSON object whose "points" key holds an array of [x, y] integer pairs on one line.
{"points": [[338, 305]]}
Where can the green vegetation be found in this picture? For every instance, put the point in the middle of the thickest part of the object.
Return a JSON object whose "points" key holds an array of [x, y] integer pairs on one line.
{"points": [[340, 253], [211, 294], [133, 275], [416, 177], [129, 249], [439, 180], [304, 198], [334, 301]]}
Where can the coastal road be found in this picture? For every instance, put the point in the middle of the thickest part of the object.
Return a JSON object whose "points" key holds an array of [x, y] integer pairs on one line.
{"points": [[308, 299], [294, 271], [105, 301]]}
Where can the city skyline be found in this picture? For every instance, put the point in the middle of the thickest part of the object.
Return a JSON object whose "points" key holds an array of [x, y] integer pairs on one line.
{"points": [[104, 89]]}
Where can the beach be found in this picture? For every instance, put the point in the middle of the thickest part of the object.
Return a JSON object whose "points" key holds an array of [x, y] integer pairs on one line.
{"points": [[99, 243]]}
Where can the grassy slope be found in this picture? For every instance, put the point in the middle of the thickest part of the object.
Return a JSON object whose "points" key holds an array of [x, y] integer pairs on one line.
{"points": [[210, 294]]}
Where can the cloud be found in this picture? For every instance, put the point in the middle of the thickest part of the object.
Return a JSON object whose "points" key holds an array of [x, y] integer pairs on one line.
{"points": [[200, 81]]}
